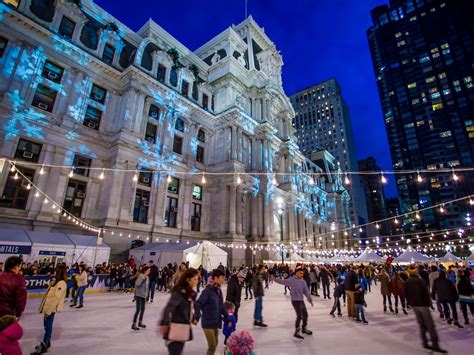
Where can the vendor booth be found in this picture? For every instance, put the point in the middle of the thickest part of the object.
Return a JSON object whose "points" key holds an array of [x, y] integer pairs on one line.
{"points": [[411, 256], [450, 258], [368, 256], [51, 247], [205, 253]]}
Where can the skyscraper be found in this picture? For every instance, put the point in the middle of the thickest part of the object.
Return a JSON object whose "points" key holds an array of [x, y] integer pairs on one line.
{"points": [[323, 121], [422, 55], [374, 194]]}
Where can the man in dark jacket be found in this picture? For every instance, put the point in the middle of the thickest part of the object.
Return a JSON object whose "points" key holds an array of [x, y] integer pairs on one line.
{"points": [[12, 288], [258, 292], [445, 291], [325, 281], [418, 297], [210, 307], [349, 286], [153, 279], [234, 290]]}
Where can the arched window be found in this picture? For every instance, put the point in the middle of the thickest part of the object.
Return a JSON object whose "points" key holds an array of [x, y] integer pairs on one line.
{"points": [[201, 136], [178, 136], [179, 125]]}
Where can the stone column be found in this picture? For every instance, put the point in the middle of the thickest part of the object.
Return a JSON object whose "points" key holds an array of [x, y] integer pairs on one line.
{"points": [[254, 217], [239, 210], [232, 209], [234, 143]]}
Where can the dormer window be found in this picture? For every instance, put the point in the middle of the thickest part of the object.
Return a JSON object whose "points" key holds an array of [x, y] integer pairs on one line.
{"points": [[66, 27], [108, 54]]}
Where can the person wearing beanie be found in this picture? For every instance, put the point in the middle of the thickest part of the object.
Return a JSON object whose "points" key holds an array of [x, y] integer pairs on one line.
{"points": [[298, 289], [418, 298], [338, 291], [234, 291]]}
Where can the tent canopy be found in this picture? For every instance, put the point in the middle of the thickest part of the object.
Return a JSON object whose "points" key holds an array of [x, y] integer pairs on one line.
{"points": [[368, 255], [206, 254], [296, 258], [14, 236], [411, 256], [449, 257], [50, 238]]}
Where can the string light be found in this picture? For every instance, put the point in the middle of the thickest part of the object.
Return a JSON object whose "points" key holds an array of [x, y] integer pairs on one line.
{"points": [[28, 187], [37, 194], [135, 176], [102, 175], [274, 181], [71, 173], [441, 209], [377, 226], [203, 179], [383, 179], [239, 180], [346, 180], [41, 172], [311, 181], [455, 177], [419, 178], [16, 177], [13, 168], [169, 179]]}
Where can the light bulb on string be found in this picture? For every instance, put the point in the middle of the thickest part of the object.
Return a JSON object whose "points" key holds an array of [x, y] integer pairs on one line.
{"points": [[46, 201], [102, 175], [41, 172], [239, 179], [71, 172], [377, 226], [203, 179], [347, 181], [169, 179], [471, 201], [311, 181], [441, 209], [16, 176], [419, 178], [383, 179], [135, 176], [455, 177], [28, 187], [417, 216], [274, 181]]}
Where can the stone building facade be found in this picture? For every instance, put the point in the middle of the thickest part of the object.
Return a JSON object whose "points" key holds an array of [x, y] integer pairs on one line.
{"points": [[141, 136]]}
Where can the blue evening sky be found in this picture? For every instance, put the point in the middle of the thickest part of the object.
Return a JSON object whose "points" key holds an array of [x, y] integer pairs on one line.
{"points": [[319, 39]]}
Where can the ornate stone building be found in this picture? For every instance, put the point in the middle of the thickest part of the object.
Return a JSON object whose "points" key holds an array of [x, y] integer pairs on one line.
{"points": [[199, 144]]}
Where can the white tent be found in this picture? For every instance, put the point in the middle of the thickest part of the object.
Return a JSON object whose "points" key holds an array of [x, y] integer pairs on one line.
{"points": [[411, 256], [307, 258], [368, 255], [470, 257], [296, 258], [449, 257], [206, 254]]}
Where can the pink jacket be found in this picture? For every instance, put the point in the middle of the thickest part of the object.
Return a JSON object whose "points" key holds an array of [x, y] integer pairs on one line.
{"points": [[9, 337]]}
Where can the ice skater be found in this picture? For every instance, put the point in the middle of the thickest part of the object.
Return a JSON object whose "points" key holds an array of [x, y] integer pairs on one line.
{"points": [[298, 289]]}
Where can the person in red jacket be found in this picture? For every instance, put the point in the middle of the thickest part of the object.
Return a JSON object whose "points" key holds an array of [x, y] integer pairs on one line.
{"points": [[10, 333], [12, 288], [398, 290]]}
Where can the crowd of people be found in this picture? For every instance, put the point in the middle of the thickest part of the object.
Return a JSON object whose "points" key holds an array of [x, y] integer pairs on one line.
{"points": [[197, 296]]}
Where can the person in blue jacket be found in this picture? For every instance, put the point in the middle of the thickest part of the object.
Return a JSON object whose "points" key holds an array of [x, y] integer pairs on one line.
{"points": [[362, 280], [209, 308], [229, 327]]}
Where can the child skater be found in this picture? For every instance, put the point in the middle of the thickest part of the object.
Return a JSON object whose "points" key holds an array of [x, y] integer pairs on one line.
{"points": [[229, 326]]}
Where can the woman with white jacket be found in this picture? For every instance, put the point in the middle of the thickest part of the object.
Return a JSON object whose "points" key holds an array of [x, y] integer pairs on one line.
{"points": [[81, 279], [53, 302]]}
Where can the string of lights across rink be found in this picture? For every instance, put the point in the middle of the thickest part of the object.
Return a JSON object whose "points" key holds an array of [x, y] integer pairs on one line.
{"points": [[92, 228]]}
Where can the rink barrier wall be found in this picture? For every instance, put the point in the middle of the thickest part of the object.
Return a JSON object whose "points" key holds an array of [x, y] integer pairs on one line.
{"points": [[37, 285]]}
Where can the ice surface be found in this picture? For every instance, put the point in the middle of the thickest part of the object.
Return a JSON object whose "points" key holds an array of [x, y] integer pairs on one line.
{"points": [[103, 327]]}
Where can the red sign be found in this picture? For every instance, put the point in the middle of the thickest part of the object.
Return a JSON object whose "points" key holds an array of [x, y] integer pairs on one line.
{"points": [[389, 260]]}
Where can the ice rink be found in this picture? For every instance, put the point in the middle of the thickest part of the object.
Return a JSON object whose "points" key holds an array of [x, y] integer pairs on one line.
{"points": [[103, 327]]}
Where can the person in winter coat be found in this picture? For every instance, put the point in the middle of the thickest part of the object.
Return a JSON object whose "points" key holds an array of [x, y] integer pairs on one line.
{"points": [[71, 281], [153, 280], [248, 284], [179, 308], [82, 282], [368, 276], [325, 281], [10, 334], [338, 291], [209, 308], [445, 291], [466, 298], [257, 285], [359, 301], [298, 290], [349, 286], [418, 297], [385, 290], [398, 290], [434, 274], [53, 302], [234, 291], [141, 291], [12, 288], [313, 277], [229, 327], [362, 280]]}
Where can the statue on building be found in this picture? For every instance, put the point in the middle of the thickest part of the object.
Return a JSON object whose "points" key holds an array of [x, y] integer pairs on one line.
{"points": [[215, 58]]}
